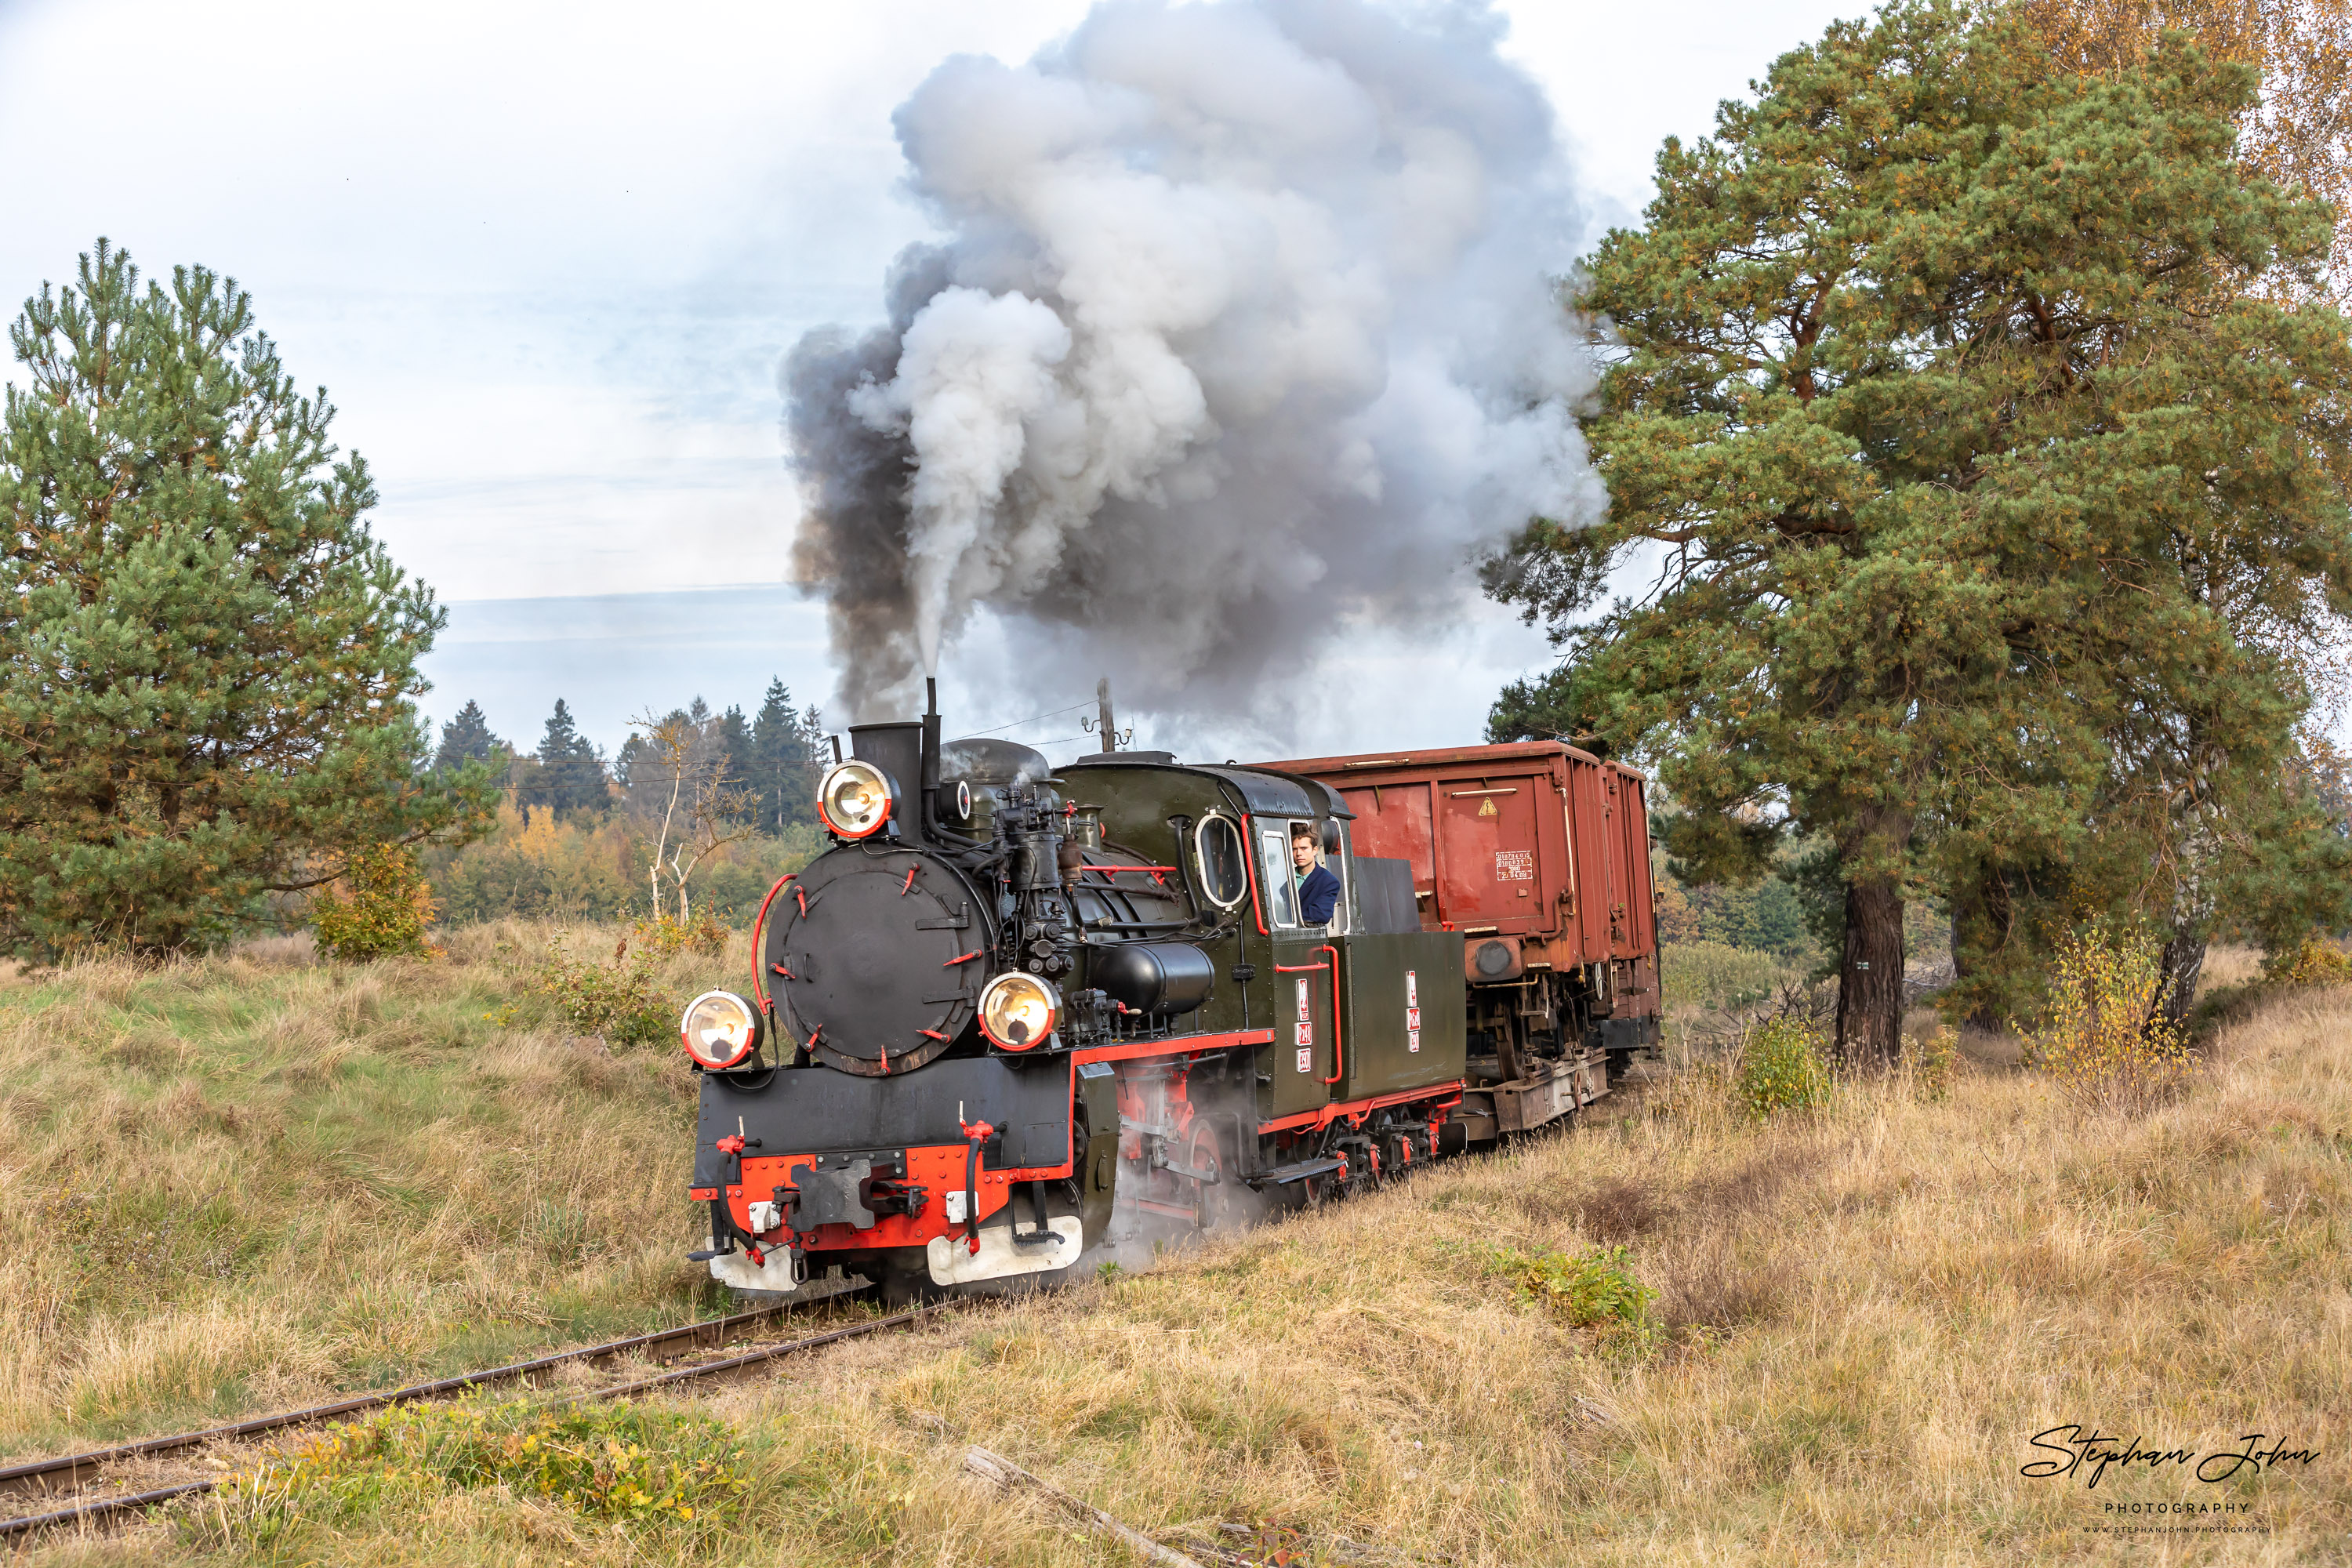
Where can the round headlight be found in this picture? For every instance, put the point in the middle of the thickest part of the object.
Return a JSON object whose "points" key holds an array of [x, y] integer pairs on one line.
{"points": [[719, 1029], [856, 799], [1017, 1010]]}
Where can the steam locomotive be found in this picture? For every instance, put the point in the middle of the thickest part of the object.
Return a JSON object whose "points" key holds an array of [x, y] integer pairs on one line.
{"points": [[1013, 1013]]}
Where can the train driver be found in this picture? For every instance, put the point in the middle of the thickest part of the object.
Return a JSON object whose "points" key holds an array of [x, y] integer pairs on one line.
{"points": [[1319, 890]]}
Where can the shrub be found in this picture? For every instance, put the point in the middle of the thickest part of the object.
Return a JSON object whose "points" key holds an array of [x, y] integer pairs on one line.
{"points": [[2101, 1040], [2313, 961], [1783, 1067], [664, 936], [385, 912], [1594, 1288], [1715, 975], [1934, 1061], [617, 1000], [618, 1463]]}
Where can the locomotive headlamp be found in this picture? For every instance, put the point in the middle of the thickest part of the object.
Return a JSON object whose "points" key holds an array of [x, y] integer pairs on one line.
{"points": [[1017, 1010], [719, 1029], [856, 799]]}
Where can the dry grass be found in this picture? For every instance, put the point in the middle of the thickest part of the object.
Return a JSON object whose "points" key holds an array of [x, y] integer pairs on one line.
{"points": [[254, 1178], [1871, 1309], [2229, 963]]}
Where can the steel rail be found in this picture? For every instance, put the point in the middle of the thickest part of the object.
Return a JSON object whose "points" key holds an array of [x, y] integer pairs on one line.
{"points": [[91, 1510]]}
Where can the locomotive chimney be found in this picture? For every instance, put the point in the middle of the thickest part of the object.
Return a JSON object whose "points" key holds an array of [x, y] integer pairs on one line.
{"points": [[1102, 715], [931, 755]]}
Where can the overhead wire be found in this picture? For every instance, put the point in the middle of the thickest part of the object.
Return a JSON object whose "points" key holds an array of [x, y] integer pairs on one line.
{"points": [[1032, 718]]}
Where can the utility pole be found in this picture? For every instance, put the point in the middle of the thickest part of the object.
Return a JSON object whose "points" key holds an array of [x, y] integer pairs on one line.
{"points": [[1102, 714]]}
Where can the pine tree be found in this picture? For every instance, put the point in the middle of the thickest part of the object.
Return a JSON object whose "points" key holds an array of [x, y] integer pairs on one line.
{"points": [[1970, 468], [206, 660], [733, 733], [570, 775], [2297, 129], [467, 739], [784, 758]]}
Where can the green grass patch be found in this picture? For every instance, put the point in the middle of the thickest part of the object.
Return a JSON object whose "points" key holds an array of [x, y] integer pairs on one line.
{"points": [[1594, 1288], [621, 1462]]}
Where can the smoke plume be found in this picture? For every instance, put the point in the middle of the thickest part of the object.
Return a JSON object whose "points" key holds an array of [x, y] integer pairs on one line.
{"points": [[1244, 341]]}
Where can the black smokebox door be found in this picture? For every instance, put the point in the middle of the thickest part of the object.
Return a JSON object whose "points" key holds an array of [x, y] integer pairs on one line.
{"points": [[873, 977]]}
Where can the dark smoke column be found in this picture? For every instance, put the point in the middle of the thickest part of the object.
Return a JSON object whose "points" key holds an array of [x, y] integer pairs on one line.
{"points": [[1243, 342], [853, 541]]}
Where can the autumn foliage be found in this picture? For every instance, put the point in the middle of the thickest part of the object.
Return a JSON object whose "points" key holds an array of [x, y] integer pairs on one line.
{"points": [[379, 908]]}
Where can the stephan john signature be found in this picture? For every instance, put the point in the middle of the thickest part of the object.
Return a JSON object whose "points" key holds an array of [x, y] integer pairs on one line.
{"points": [[2077, 1449]]}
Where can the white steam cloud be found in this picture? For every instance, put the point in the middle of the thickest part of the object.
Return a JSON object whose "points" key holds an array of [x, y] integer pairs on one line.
{"points": [[1245, 339]]}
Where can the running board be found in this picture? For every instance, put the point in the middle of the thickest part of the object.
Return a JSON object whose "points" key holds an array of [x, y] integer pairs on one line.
{"points": [[1304, 1170]]}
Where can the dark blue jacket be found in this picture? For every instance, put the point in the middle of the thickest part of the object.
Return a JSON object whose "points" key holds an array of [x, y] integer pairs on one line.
{"points": [[1318, 895]]}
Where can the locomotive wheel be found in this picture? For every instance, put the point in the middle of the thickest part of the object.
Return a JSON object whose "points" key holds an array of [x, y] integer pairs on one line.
{"points": [[1204, 1151]]}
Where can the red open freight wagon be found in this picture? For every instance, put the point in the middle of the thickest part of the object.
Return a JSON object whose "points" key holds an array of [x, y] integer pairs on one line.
{"points": [[1540, 855]]}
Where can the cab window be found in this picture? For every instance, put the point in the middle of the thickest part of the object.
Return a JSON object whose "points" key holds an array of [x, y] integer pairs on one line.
{"points": [[1343, 913], [1224, 875], [1274, 876]]}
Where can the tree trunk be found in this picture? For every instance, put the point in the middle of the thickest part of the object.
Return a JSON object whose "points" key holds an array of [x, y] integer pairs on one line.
{"points": [[1965, 903], [1870, 974], [2182, 961]]}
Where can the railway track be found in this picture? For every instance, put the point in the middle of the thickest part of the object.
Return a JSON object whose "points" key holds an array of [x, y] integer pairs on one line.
{"points": [[73, 1474]]}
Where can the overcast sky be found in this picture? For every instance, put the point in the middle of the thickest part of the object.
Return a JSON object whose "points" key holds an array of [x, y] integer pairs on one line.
{"points": [[545, 260]]}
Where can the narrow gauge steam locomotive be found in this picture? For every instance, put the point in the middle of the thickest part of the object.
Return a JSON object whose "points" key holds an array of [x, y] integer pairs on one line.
{"points": [[1012, 1013]]}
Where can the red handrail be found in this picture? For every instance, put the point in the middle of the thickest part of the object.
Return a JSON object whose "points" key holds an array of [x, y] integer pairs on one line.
{"points": [[1249, 864], [1338, 1054], [757, 921]]}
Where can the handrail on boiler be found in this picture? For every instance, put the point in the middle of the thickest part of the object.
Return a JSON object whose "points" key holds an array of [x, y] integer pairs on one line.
{"points": [[760, 920]]}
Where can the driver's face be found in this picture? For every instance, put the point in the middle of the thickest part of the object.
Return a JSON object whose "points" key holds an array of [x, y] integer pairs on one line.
{"points": [[1302, 853]]}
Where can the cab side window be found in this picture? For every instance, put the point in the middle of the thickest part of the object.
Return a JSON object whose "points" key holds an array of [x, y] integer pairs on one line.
{"points": [[1275, 875], [1343, 913]]}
